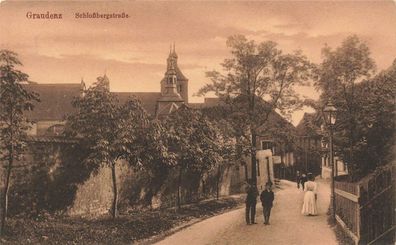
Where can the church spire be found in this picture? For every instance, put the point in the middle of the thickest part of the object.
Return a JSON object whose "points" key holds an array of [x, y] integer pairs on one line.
{"points": [[172, 58], [174, 85], [169, 83], [82, 87], [172, 52]]}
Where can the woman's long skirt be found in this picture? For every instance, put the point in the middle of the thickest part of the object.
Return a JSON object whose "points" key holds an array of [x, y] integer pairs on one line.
{"points": [[309, 206]]}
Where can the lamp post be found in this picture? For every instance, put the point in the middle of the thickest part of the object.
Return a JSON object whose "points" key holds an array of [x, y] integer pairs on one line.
{"points": [[330, 119]]}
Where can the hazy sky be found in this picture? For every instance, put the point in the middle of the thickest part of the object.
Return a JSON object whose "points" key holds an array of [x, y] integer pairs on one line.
{"points": [[133, 51]]}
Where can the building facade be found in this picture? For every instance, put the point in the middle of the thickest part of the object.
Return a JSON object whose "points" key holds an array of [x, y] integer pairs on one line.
{"points": [[55, 99], [308, 141]]}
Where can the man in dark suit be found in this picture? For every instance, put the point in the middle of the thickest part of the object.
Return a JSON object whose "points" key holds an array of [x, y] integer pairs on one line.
{"points": [[303, 180], [298, 179], [267, 198], [251, 201]]}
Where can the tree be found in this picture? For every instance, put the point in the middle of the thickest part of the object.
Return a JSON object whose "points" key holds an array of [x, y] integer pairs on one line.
{"points": [[337, 77], [109, 132], [230, 140], [154, 155], [14, 102], [258, 80], [193, 140], [375, 123]]}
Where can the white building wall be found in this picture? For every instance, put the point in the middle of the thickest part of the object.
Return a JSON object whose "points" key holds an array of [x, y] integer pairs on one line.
{"points": [[326, 167]]}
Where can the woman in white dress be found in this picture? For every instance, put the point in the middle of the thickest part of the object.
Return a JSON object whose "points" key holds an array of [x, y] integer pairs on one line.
{"points": [[310, 196]]}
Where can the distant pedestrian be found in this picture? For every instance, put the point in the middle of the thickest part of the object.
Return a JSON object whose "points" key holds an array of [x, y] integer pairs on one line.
{"points": [[303, 179], [251, 201], [298, 179], [310, 197], [267, 198]]}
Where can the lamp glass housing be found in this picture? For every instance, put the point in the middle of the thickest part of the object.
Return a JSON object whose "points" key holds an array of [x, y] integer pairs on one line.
{"points": [[330, 114]]}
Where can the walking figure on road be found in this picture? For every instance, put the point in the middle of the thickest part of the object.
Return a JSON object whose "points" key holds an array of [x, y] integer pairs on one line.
{"points": [[310, 197], [303, 179], [251, 201], [267, 198], [298, 179]]}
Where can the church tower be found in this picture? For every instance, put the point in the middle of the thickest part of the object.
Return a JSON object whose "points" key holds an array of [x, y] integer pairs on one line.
{"points": [[171, 87], [181, 80], [174, 87]]}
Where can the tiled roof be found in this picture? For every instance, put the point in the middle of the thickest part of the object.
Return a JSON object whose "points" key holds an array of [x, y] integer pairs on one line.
{"points": [[55, 100], [167, 109], [148, 99], [180, 75]]}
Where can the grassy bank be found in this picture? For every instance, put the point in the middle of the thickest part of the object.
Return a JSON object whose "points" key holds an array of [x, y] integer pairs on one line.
{"points": [[126, 229]]}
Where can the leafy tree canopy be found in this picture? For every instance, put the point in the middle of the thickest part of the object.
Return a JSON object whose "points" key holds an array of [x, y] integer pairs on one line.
{"points": [[193, 139], [364, 102], [257, 80], [14, 102]]}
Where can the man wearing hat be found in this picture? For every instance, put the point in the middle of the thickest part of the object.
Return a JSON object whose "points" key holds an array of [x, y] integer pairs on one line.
{"points": [[267, 198], [251, 201]]}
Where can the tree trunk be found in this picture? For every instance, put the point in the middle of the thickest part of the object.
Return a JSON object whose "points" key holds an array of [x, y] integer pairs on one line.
{"points": [[4, 205], [246, 171], [203, 187], [218, 182], [179, 188], [114, 210], [253, 158]]}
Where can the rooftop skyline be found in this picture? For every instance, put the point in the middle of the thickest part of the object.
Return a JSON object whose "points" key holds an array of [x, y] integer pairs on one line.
{"points": [[133, 51]]}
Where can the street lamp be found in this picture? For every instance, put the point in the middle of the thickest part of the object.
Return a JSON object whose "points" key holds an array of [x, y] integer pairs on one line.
{"points": [[330, 119]]}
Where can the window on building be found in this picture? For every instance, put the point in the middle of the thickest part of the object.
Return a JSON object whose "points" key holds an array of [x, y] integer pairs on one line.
{"points": [[265, 144], [268, 145], [179, 88]]}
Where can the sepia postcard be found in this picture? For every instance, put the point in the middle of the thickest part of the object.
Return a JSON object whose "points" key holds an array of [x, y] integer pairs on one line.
{"points": [[197, 122]]}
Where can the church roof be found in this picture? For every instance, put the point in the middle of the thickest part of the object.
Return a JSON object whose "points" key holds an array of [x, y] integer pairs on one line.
{"points": [[55, 100], [168, 109], [180, 75], [148, 99]]}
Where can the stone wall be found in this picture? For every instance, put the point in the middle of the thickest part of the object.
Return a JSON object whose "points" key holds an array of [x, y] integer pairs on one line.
{"points": [[95, 195], [52, 178]]}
